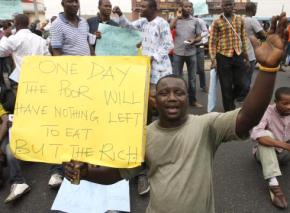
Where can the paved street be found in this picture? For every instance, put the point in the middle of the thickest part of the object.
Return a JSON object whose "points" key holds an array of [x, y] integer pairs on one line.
{"points": [[238, 182]]}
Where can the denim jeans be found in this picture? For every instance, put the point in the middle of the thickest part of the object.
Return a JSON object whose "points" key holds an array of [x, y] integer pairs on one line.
{"points": [[15, 174], [200, 67], [248, 78], [178, 63]]}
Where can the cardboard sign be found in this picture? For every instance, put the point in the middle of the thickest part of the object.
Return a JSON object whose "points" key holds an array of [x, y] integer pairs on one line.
{"points": [[117, 41], [90, 109], [9, 8], [200, 7]]}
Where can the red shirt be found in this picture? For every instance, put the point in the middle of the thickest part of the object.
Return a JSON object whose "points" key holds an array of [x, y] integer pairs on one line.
{"points": [[173, 33]]}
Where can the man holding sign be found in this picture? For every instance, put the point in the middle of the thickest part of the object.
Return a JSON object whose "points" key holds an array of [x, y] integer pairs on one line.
{"points": [[180, 147], [104, 16], [157, 40]]}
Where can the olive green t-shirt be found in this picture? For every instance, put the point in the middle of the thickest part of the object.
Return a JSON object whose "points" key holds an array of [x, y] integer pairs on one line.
{"points": [[180, 162]]}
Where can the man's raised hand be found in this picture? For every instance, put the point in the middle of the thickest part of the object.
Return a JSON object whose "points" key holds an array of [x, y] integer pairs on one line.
{"points": [[117, 10], [270, 52]]}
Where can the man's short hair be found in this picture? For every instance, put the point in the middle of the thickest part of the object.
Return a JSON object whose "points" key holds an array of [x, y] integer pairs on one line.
{"points": [[185, 1], [100, 2], [152, 4], [22, 20], [228, 1], [6, 24], [171, 76], [250, 6], [281, 91]]}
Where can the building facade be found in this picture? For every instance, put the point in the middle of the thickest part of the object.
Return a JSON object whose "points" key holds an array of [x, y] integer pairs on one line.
{"points": [[166, 8], [34, 11], [215, 6]]}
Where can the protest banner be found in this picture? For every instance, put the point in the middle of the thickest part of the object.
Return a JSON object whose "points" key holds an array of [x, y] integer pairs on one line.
{"points": [[200, 7], [9, 8], [90, 109], [117, 41]]}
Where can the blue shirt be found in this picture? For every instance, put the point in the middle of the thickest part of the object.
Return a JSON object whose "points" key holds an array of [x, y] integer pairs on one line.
{"points": [[72, 40]]}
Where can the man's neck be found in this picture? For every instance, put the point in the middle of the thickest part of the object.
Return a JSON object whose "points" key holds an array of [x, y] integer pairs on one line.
{"points": [[249, 15], [21, 28], [172, 124], [229, 15], [152, 16], [104, 18], [70, 17], [185, 16]]}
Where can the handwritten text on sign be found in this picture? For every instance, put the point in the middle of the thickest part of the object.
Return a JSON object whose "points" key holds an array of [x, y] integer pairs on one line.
{"points": [[91, 109]]}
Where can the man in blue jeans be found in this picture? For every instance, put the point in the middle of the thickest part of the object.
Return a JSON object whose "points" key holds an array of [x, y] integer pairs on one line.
{"points": [[188, 33]]}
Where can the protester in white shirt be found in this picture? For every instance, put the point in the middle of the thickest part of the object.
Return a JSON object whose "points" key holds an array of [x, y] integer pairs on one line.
{"points": [[23, 43], [156, 38]]}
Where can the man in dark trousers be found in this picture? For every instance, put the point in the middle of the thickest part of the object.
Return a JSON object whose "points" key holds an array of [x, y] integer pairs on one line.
{"points": [[228, 53]]}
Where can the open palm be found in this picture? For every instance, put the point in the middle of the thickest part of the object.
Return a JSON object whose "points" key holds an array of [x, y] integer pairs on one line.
{"points": [[270, 52]]}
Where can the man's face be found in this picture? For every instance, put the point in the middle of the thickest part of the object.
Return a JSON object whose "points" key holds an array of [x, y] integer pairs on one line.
{"points": [[254, 11], [105, 8], [71, 6], [144, 9], [283, 105], [187, 9], [228, 7], [171, 99]]}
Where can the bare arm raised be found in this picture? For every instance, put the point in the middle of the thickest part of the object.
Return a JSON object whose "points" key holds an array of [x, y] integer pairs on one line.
{"points": [[268, 54]]}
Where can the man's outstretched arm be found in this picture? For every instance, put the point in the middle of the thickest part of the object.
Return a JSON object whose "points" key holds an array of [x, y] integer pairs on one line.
{"points": [[268, 54]]}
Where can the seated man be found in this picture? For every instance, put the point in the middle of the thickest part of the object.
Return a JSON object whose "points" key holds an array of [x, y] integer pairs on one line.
{"points": [[180, 148], [273, 137]]}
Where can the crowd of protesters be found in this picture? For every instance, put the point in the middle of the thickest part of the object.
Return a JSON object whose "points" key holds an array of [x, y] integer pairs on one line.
{"points": [[180, 147]]}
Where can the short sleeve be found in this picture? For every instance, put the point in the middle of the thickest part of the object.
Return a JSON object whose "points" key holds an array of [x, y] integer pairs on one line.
{"points": [[130, 173], [9, 45], [223, 126], [56, 35], [198, 29], [256, 25]]}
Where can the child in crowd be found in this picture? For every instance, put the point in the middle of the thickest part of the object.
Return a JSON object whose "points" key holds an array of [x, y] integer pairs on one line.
{"points": [[273, 147]]}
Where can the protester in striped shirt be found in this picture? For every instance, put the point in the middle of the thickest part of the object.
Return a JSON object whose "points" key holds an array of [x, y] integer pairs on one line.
{"points": [[228, 52], [70, 33]]}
